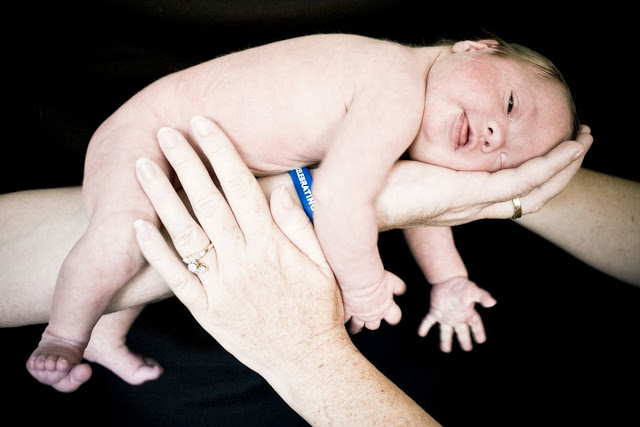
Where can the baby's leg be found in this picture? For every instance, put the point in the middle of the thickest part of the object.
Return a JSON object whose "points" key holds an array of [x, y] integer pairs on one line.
{"points": [[104, 259]]}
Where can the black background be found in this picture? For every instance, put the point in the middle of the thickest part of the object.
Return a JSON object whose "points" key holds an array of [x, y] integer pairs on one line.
{"points": [[562, 339]]}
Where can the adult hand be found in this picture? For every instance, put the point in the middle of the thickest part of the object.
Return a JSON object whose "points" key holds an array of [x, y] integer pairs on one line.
{"points": [[260, 295], [420, 194], [268, 295]]}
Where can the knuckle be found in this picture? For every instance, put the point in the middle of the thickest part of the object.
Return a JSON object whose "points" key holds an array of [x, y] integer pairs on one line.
{"points": [[213, 148], [181, 161], [239, 184], [178, 281], [299, 226], [535, 206], [208, 205], [533, 203], [185, 235]]}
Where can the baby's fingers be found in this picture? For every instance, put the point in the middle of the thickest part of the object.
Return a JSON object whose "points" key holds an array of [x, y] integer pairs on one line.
{"points": [[355, 325], [399, 287], [464, 337], [373, 325], [184, 284], [394, 315], [426, 324], [477, 327], [446, 337], [485, 299]]}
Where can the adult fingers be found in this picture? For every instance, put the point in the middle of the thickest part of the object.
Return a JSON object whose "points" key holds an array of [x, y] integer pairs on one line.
{"points": [[186, 234], [241, 189], [297, 227], [542, 169], [184, 284], [539, 196], [208, 204], [544, 178], [537, 171]]}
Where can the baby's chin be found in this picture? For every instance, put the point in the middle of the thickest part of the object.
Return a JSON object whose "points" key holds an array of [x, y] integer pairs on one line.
{"points": [[442, 154]]}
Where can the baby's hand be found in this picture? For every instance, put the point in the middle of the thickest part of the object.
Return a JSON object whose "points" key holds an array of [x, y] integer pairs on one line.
{"points": [[453, 306], [367, 307]]}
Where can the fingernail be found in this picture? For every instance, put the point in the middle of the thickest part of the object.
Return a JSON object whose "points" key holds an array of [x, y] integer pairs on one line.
{"points": [[167, 137], [201, 125], [142, 229], [287, 202], [145, 168]]}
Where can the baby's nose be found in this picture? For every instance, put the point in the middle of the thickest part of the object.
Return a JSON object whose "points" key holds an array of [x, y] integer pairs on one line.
{"points": [[493, 137]]}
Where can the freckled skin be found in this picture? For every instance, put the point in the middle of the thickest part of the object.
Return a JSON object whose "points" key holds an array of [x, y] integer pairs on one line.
{"points": [[351, 105]]}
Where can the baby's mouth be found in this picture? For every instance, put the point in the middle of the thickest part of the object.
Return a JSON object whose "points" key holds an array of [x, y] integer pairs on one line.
{"points": [[463, 131]]}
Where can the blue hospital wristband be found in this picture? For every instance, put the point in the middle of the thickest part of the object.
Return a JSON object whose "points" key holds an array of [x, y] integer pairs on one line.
{"points": [[302, 182]]}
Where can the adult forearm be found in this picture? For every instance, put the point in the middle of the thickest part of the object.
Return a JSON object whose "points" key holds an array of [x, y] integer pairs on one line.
{"points": [[365, 398], [595, 219], [38, 228]]}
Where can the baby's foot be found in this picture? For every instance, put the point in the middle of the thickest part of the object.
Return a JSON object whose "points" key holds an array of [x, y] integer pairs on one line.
{"points": [[56, 362], [108, 348]]}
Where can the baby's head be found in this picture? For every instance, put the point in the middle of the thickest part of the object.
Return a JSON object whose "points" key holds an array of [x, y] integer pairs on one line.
{"points": [[492, 105]]}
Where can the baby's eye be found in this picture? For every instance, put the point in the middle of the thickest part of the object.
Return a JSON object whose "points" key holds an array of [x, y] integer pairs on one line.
{"points": [[510, 106]]}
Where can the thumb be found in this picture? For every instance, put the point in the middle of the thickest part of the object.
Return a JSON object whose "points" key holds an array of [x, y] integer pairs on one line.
{"points": [[486, 300], [297, 227]]}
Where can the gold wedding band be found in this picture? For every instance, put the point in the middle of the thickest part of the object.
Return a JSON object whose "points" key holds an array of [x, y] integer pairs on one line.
{"points": [[517, 208], [193, 263]]}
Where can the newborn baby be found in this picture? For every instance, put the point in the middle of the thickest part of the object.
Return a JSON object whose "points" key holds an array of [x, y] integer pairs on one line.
{"points": [[350, 106]]}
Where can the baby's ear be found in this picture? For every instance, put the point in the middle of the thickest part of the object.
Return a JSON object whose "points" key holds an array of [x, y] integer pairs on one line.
{"points": [[469, 45]]}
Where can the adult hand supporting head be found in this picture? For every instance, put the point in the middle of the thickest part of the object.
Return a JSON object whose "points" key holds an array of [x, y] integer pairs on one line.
{"points": [[268, 295], [420, 194]]}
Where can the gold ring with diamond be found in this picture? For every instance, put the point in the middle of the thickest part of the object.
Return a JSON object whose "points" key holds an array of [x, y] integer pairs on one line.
{"points": [[193, 261]]}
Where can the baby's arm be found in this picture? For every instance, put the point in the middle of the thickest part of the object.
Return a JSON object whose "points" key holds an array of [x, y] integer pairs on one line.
{"points": [[453, 296], [377, 129]]}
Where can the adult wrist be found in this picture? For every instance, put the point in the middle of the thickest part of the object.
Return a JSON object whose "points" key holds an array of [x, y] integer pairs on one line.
{"points": [[309, 365], [333, 383]]}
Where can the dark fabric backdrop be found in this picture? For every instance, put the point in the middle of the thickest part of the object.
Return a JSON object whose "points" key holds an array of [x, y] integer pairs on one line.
{"points": [[562, 340]]}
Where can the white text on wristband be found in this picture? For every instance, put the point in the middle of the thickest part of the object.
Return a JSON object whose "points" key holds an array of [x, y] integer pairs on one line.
{"points": [[302, 181]]}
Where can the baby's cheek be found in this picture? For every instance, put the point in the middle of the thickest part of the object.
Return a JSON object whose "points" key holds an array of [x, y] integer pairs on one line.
{"points": [[424, 151]]}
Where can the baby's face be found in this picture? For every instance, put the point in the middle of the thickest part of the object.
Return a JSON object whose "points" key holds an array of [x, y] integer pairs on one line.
{"points": [[488, 113]]}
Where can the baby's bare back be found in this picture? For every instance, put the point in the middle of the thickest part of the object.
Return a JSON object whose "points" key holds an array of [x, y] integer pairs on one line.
{"points": [[281, 103]]}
